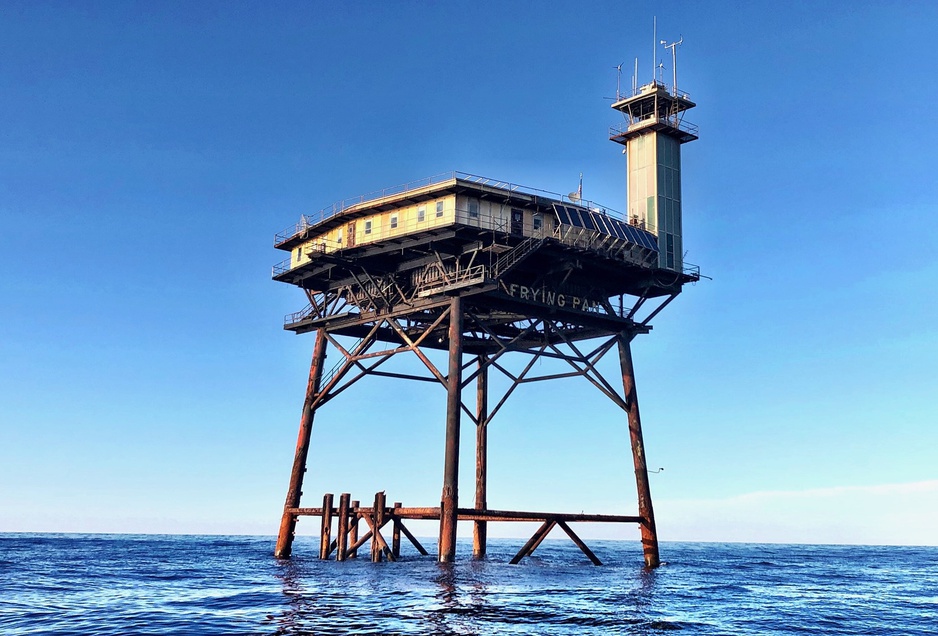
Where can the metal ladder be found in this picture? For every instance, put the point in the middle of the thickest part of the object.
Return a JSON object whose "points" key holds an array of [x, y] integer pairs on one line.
{"points": [[515, 255]]}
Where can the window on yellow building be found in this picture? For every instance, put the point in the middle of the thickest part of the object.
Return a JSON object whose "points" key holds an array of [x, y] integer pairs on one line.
{"points": [[394, 222], [439, 209], [368, 227], [421, 213]]}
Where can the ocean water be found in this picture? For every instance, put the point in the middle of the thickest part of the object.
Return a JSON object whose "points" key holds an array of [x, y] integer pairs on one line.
{"points": [[113, 584]]}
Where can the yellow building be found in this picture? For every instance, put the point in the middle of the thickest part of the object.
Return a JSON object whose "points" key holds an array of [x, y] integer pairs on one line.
{"points": [[464, 204]]}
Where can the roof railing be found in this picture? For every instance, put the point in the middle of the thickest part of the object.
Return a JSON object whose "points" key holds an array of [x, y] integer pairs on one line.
{"points": [[680, 124], [641, 89]]}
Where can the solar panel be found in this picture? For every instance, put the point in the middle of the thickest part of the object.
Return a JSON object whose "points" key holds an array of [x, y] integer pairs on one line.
{"points": [[641, 238], [632, 236], [617, 228], [562, 215], [574, 217], [602, 223], [648, 239], [636, 236], [587, 218]]}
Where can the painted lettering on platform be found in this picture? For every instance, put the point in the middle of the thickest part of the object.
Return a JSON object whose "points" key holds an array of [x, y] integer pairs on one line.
{"points": [[551, 297]]}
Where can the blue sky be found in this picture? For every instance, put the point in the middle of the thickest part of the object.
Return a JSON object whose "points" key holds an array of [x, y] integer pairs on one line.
{"points": [[150, 151]]}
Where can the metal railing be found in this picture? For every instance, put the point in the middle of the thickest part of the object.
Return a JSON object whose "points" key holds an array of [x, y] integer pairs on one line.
{"points": [[331, 373], [297, 316], [644, 88], [670, 120], [282, 267], [308, 220], [438, 281], [319, 247], [514, 255]]}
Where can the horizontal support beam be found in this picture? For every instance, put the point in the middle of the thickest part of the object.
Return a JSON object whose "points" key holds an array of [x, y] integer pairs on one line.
{"points": [[471, 514], [474, 514]]}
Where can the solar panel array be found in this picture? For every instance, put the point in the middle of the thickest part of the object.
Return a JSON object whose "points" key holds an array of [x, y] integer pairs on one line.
{"points": [[601, 222]]}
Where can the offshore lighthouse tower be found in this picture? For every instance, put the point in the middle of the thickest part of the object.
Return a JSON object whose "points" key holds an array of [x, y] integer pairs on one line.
{"points": [[484, 269]]}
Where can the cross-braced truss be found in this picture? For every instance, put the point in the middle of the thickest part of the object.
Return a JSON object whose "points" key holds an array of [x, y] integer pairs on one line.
{"points": [[479, 301]]}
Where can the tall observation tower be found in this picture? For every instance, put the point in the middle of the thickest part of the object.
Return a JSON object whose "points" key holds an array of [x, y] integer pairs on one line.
{"points": [[488, 272], [652, 134]]}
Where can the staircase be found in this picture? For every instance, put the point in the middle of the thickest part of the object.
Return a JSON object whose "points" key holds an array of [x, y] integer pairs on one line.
{"points": [[514, 256], [327, 377]]}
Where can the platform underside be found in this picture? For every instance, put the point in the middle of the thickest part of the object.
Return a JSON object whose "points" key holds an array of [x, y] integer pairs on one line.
{"points": [[502, 278]]}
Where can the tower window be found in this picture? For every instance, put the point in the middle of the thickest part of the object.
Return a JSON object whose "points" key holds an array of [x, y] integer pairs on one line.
{"points": [[473, 209], [368, 226], [421, 213], [538, 221], [394, 222], [338, 236], [439, 209]]}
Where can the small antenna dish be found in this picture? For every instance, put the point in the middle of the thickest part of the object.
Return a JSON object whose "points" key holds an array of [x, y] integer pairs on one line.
{"points": [[577, 195]]}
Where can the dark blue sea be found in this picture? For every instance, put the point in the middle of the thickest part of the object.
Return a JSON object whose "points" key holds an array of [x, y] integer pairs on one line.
{"points": [[131, 584]]}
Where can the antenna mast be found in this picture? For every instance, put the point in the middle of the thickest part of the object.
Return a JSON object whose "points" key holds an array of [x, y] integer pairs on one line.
{"points": [[673, 46], [654, 49]]}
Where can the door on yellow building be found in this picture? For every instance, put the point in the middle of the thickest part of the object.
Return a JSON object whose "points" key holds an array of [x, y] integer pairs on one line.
{"points": [[517, 222]]}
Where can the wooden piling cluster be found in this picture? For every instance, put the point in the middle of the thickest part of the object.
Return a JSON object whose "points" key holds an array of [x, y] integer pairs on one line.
{"points": [[349, 515]]}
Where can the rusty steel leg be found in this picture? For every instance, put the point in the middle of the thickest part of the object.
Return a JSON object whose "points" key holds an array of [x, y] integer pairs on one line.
{"points": [[295, 490], [645, 509], [450, 499], [480, 528]]}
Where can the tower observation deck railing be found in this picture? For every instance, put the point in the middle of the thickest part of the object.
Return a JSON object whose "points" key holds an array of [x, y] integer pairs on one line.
{"points": [[644, 89], [671, 120], [309, 220]]}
